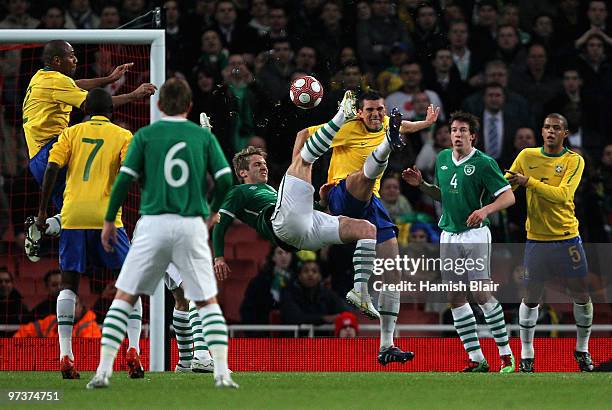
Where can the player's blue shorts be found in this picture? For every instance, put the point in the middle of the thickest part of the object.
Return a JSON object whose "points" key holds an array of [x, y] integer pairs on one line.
{"points": [[546, 260], [341, 202], [80, 248], [38, 165]]}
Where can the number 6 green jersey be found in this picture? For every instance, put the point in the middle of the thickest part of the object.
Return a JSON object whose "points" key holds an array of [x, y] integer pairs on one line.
{"points": [[466, 185], [172, 157]]}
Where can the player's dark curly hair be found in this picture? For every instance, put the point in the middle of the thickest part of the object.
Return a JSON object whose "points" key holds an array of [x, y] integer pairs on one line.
{"points": [[370, 95], [242, 158], [470, 119]]}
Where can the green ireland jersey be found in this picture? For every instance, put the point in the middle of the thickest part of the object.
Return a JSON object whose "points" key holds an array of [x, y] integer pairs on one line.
{"points": [[466, 185], [171, 157], [253, 205]]}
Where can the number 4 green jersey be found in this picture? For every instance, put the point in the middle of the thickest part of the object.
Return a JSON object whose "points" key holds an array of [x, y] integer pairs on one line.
{"points": [[466, 185], [172, 157]]}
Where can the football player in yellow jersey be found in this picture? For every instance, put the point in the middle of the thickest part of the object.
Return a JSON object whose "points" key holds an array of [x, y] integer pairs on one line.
{"points": [[47, 105], [361, 151], [92, 153], [551, 174]]}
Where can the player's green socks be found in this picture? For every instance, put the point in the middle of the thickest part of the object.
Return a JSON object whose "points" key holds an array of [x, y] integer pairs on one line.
{"points": [[494, 316], [465, 324], [583, 314], [388, 308], [528, 317], [200, 349], [184, 339], [363, 264], [113, 333], [66, 301], [319, 142], [215, 335], [135, 326]]}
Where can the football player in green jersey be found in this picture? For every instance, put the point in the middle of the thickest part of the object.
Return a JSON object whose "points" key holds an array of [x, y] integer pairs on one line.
{"points": [[470, 186]]}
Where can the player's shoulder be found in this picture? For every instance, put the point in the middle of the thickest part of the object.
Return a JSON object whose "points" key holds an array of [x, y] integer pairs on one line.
{"points": [[483, 158], [573, 155], [530, 152], [444, 155]]}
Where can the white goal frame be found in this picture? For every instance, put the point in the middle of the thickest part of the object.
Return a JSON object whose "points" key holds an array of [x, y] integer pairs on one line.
{"points": [[156, 39]]}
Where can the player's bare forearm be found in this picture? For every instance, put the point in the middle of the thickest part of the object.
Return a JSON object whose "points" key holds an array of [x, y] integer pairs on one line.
{"points": [[91, 83], [144, 90], [431, 190], [47, 185], [430, 119], [504, 200]]}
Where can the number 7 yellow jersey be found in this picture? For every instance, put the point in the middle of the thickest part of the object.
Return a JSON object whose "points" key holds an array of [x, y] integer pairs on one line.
{"points": [[93, 152]]}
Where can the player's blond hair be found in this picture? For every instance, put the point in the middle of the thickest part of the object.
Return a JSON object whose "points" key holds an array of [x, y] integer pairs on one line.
{"points": [[242, 158]]}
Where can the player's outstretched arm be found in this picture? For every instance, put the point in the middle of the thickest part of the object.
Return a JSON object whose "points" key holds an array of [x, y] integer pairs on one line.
{"points": [[47, 189], [414, 126], [91, 83], [566, 189], [503, 201], [413, 177], [144, 90]]}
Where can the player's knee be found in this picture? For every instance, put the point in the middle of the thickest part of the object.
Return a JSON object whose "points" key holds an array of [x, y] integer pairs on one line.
{"points": [[367, 230], [180, 303]]}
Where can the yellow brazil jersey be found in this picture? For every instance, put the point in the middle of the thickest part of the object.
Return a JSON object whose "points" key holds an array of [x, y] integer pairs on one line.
{"points": [[553, 180], [352, 144], [46, 107], [93, 152]]}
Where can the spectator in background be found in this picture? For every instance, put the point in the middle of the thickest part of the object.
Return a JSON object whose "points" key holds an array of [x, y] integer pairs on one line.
{"points": [[259, 17], [509, 48], [566, 23], [213, 56], [428, 35], [84, 325], [263, 292], [535, 82], [80, 15], [131, 9], [467, 62], [331, 34], [597, 14], [376, 36], [306, 301], [237, 38], [52, 18], [484, 32], [593, 64], [412, 76], [515, 104], [346, 325], [199, 18], [544, 33], [275, 75], [605, 174], [390, 195], [305, 19], [177, 44], [12, 309], [306, 61], [511, 16], [109, 17], [426, 158], [445, 80], [53, 280], [389, 80], [498, 126]]}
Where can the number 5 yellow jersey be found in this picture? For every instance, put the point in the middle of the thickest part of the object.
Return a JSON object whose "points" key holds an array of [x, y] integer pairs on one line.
{"points": [[93, 152]]}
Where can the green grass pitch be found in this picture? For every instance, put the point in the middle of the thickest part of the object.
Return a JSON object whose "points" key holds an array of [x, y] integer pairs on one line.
{"points": [[324, 391]]}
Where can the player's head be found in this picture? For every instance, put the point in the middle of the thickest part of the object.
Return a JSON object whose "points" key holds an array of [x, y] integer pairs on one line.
{"points": [[463, 129], [250, 165], [554, 131], [371, 110], [59, 55], [175, 97], [99, 102]]}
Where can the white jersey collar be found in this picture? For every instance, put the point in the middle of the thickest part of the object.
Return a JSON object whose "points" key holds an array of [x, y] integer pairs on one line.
{"points": [[462, 160]]}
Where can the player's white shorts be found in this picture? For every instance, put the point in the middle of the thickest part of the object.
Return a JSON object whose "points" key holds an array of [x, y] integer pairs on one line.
{"points": [[163, 239], [470, 252], [296, 223], [172, 278]]}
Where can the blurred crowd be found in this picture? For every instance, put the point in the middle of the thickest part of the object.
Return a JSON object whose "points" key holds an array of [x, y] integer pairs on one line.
{"points": [[508, 62]]}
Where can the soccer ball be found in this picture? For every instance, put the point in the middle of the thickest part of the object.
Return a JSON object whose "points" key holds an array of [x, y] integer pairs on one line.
{"points": [[306, 92]]}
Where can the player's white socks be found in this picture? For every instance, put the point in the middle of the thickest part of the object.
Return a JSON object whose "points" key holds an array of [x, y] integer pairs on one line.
{"points": [[583, 314], [388, 308], [200, 349], [319, 142], [113, 333], [215, 335], [184, 339], [363, 264], [376, 163], [66, 302], [465, 324], [528, 317], [135, 326], [494, 316]]}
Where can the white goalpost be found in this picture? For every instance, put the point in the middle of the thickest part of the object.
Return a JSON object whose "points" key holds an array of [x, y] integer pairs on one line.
{"points": [[156, 40]]}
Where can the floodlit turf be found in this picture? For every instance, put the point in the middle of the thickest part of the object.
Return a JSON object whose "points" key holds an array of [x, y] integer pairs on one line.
{"points": [[326, 390]]}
